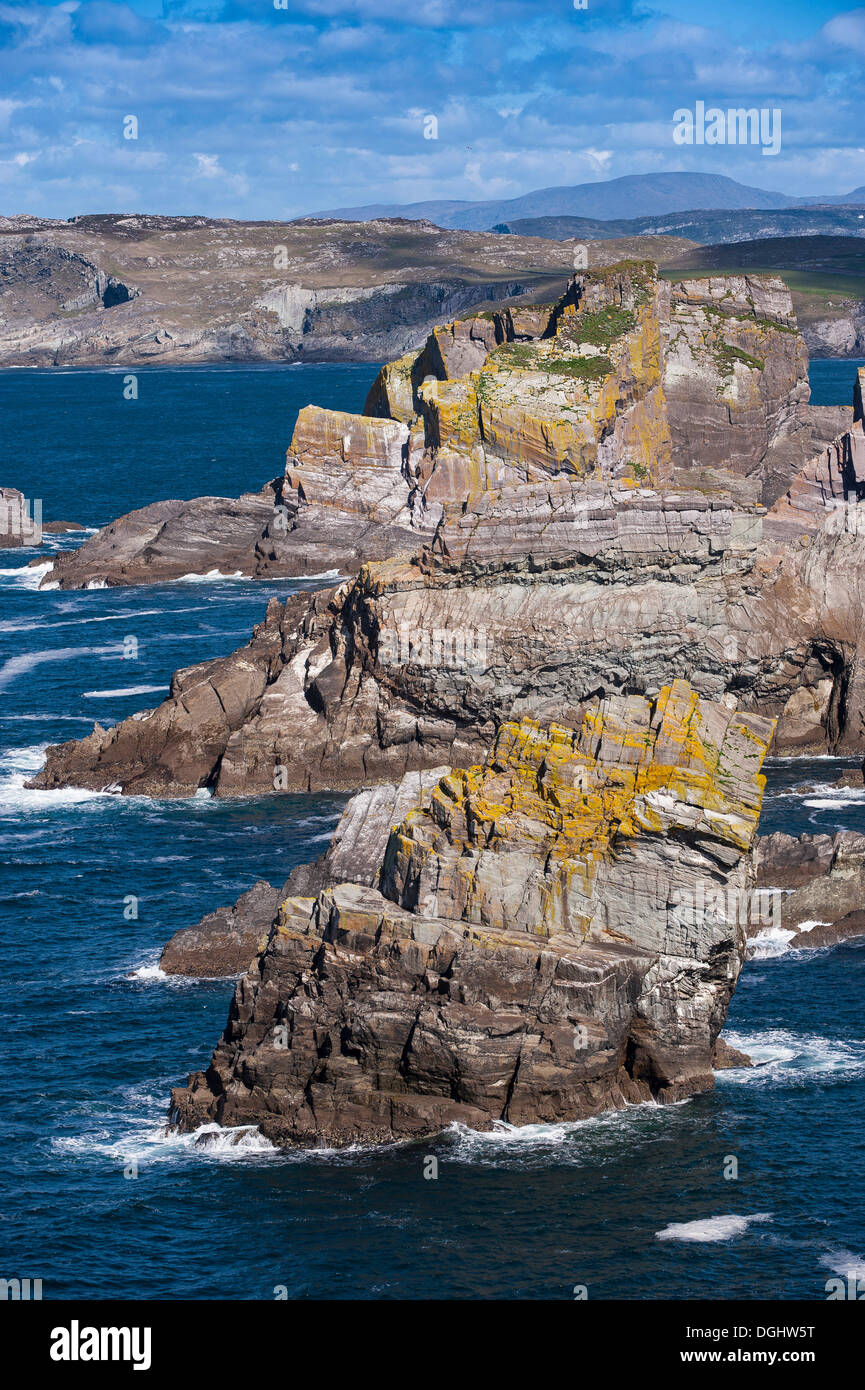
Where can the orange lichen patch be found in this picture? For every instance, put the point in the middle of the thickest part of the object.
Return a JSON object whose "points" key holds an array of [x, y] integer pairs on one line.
{"points": [[567, 798]]}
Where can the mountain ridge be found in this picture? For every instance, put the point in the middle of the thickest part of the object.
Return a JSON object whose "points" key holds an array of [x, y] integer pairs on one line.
{"points": [[631, 195]]}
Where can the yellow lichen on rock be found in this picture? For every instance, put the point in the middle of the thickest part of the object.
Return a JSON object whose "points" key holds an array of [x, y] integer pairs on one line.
{"points": [[518, 841]]}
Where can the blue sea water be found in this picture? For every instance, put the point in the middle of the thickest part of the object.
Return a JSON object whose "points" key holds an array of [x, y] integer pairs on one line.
{"points": [[97, 1200]]}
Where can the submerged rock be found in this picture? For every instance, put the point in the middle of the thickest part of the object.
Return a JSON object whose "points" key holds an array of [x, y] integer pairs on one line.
{"points": [[533, 951]]}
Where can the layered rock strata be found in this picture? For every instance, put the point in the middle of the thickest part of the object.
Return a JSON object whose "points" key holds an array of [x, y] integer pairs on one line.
{"points": [[620, 379], [563, 573], [532, 952]]}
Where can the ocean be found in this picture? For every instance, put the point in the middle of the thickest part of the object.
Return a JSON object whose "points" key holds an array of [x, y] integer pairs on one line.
{"points": [[98, 1201]]}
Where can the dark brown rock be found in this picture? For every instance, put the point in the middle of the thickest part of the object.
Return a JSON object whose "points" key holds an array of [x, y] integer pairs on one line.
{"points": [[847, 928], [725, 1057], [225, 941]]}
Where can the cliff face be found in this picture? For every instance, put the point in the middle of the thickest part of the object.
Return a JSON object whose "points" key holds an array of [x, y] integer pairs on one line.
{"points": [[535, 948], [616, 381], [548, 572], [144, 289]]}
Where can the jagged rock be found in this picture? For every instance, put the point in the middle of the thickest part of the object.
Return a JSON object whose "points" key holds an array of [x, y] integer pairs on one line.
{"points": [[847, 928], [357, 849], [737, 371], [225, 941], [826, 876], [534, 952], [537, 591], [725, 1057], [612, 383], [838, 890], [789, 861]]}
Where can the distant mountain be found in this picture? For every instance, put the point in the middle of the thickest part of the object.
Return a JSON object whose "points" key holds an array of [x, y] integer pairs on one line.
{"points": [[708, 228], [634, 195], [857, 197]]}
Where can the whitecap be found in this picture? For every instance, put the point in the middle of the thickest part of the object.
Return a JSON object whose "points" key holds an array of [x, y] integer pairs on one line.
{"points": [[146, 1141], [127, 690], [209, 576], [573, 1141], [835, 803], [711, 1228], [15, 797], [768, 943], [99, 618], [147, 972], [772, 942], [784, 1058], [28, 576], [842, 1262], [27, 661]]}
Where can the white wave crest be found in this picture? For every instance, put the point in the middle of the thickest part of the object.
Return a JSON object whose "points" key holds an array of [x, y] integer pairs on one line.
{"points": [[711, 1228], [209, 577], [29, 576], [783, 1058], [127, 690], [842, 1262]]}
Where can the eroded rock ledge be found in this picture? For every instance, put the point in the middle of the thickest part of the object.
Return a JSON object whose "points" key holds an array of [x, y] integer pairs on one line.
{"points": [[533, 949]]}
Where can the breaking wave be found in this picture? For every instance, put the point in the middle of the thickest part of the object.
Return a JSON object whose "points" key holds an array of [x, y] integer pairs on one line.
{"points": [[711, 1228]]}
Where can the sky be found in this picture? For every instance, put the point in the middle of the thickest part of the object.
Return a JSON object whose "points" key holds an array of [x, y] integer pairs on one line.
{"points": [[245, 110]]}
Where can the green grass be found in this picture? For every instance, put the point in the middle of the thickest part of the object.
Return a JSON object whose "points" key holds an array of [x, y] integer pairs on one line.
{"points": [[825, 283], [601, 329], [527, 356], [726, 356], [581, 368]]}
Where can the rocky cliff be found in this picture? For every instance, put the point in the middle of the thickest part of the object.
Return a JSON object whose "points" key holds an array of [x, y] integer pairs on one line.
{"points": [[622, 378], [532, 948], [559, 555]]}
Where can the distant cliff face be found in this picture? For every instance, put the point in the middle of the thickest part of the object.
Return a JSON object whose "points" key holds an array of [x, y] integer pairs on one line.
{"points": [[146, 289], [537, 946]]}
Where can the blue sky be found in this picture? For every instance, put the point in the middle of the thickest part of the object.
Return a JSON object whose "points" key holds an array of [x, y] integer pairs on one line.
{"points": [[249, 111]]}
